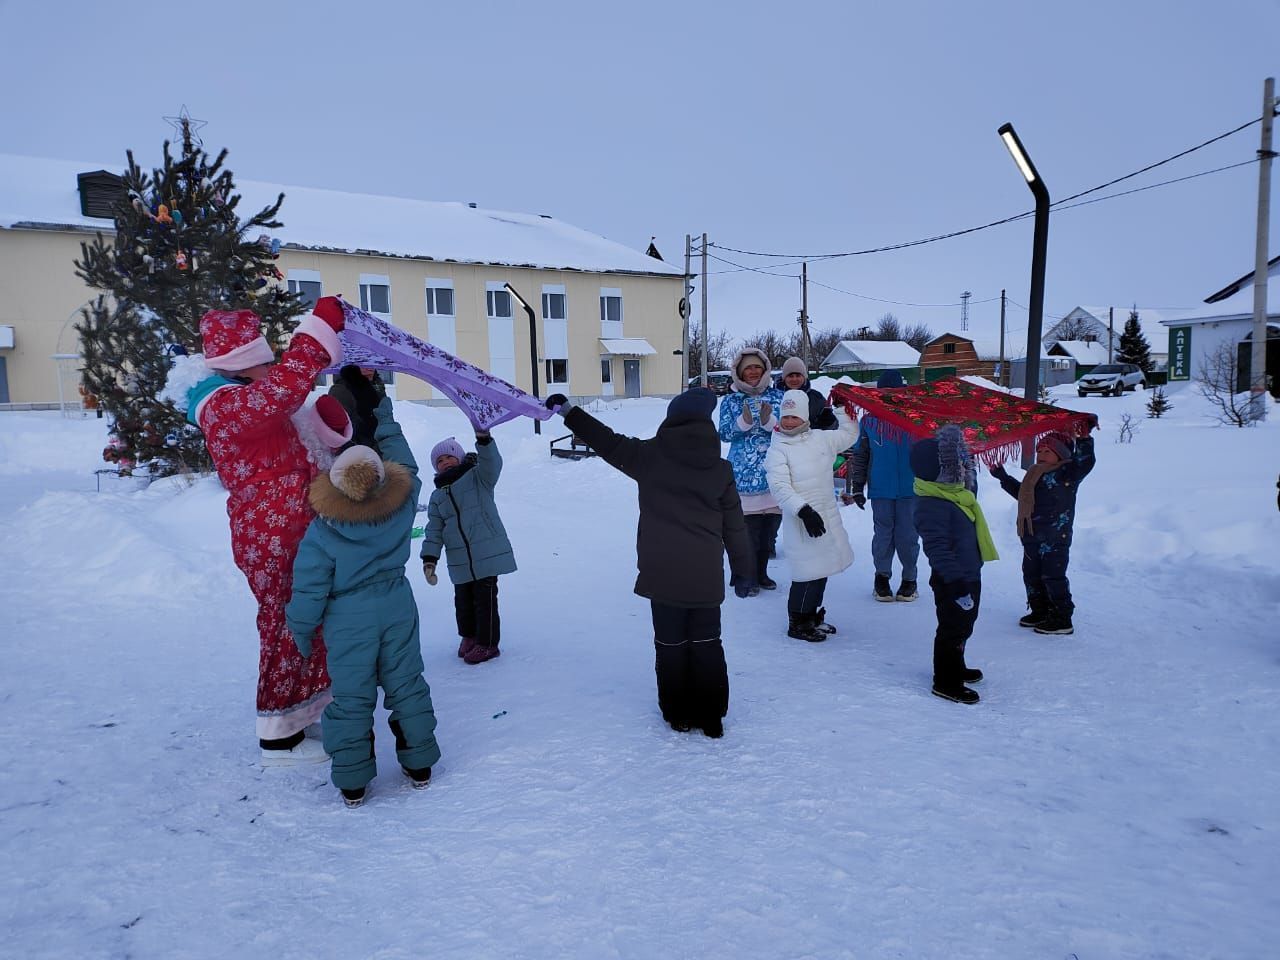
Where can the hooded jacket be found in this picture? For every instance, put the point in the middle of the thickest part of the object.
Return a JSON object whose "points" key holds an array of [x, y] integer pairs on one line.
{"points": [[1054, 515], [463, 521], [690, 513], [748, 443]]}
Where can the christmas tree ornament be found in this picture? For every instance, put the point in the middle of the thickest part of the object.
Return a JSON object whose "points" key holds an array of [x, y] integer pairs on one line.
{"points": [[177, 217], [171, 439], [180, 260], [150, 262], [275, 247], [162, 214]]}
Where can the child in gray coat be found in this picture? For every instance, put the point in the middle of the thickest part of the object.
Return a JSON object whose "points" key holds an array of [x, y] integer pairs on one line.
{"points": [[463, 521]]}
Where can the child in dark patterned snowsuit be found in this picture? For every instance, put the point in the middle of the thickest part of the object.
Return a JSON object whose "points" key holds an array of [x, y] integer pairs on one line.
{"points": [[1046, 498]]}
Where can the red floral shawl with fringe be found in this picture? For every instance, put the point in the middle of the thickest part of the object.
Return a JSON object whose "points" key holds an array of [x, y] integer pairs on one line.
{"points": [[995, 423]]}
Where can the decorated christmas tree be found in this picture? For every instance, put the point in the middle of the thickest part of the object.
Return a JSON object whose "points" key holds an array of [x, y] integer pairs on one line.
{"points": [[180, 248], [1133, 344]]}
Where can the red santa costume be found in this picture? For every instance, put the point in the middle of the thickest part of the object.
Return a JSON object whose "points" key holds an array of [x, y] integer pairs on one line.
{"points": [[256, 432]]}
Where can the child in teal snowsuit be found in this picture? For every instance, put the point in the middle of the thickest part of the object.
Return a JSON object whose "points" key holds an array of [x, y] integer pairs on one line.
{"points": [[349, 575]]}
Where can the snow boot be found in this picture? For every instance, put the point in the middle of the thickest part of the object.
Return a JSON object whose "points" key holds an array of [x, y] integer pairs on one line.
{"points": [[466, 646], [714, 728], [906, 591], [1056, 623], [800, 627], [480, 653], [765, 583], [419, 778], [956, 692], [883, 592], [820, 622], [353, 798], [970, 675], [1039, 612]]}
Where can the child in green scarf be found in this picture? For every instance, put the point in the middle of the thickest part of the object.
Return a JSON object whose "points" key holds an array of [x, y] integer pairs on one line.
{"points": [[957, 541]]}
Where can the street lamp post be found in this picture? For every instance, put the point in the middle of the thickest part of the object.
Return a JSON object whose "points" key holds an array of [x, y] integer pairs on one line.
{"points": [[1039, 252], [533, 346]]}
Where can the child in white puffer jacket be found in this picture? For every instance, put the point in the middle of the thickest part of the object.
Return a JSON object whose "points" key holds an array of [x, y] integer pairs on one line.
{"points": [[799, 469]]}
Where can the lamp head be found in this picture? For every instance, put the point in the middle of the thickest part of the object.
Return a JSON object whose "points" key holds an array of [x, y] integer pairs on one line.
{"points": [[519, 299], [1025, 166]]}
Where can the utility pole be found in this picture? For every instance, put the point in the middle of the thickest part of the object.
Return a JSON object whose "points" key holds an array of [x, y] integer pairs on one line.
{"points": [[704, 380], [1004, 373], [684, 314], [1111, 330], [806, 345], [1258, 350]]}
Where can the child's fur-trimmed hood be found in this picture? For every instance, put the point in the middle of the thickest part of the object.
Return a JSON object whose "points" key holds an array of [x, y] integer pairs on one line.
{"points": [[332, 504]]}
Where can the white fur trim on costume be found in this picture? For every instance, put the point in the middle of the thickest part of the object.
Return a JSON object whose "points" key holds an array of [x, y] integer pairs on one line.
{"points": [[320, 331], [354, 455], [247, 355], [317, 437], [184, 374]]}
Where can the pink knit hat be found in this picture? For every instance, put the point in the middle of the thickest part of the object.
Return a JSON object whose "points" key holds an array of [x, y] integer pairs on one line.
{"points": [[233, 340]]}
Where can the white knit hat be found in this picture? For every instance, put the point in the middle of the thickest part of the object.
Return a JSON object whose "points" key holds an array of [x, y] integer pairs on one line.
{"points": [[795, 403], [357, 472]]}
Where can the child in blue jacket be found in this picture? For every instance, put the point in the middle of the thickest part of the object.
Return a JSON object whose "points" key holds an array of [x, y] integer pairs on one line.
{"points": [[349, 575], [463, 521]]}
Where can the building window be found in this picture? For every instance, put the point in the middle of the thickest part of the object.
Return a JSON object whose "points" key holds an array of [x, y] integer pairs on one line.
{"points": [[557, 372], [610, 312], [307, 285], [606, 370], [498, 303], [553, 305], [439, 298], [948, 348], [375, 294]]}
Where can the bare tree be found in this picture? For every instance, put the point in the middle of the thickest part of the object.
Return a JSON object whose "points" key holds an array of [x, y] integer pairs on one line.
{"points": [[917, 334], [888, 327], [719, 351], [824, 341], [1073, 328], [774, 345], [1216, 381], [1128, 428]]}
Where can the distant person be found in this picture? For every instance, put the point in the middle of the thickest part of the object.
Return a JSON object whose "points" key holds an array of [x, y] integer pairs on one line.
{"points": [[798, 466], [690, 515], [957, 542], [463, 524], [1046, 498], [795, 376], [881, 462], [748, 415], [349, 575]]}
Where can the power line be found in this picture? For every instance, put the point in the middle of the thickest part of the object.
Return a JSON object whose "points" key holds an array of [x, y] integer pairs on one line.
{"points": [[899, 303], [1004, 220]]}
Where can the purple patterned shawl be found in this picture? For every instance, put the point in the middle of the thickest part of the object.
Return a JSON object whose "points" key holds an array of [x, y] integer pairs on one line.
{"points": [[487, 401]]}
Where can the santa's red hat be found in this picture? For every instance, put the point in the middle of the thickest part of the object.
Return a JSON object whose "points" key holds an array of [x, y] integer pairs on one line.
{"points": [[233, 340]]}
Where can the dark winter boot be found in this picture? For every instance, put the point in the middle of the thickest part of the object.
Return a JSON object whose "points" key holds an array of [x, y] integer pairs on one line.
{"points": [[1056, 623], [883, 592], [1039, 611], [970, 675], [820, 622], [907, 591], [800, 626], [466, 646], [714, 728], [419, 778], [956, 692], [353, 798]]}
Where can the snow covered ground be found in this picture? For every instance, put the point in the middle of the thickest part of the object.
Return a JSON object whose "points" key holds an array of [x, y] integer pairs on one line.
{"points": [[1113, 796]]}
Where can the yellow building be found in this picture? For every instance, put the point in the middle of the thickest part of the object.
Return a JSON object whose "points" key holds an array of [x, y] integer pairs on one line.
{"points": [[606, 317]]}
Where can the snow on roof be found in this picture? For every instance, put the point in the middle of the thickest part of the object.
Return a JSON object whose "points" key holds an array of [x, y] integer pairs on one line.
{"points": [[881, 353], [1235, 307], [1083, 351], [628, 347], [41, 191]]}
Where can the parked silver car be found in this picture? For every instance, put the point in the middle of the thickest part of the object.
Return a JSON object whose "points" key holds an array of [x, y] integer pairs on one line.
{"points": [[1111, 379]]}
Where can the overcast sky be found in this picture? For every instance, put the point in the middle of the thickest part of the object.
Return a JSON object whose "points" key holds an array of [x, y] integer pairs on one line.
{"points": [[796, 128]]}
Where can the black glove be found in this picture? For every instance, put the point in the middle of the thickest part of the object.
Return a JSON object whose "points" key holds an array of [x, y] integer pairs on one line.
{"points": [[859, 501], [999, 472], [555, 400], [364, 393], [812, 521]]}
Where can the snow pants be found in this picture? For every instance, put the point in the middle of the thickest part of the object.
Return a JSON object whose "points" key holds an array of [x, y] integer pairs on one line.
{"points": [[894, 530], [475, 606], [762, 531], [955, 626], [1044, 573], [693, 680], [372, 635], [806, 596]]}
